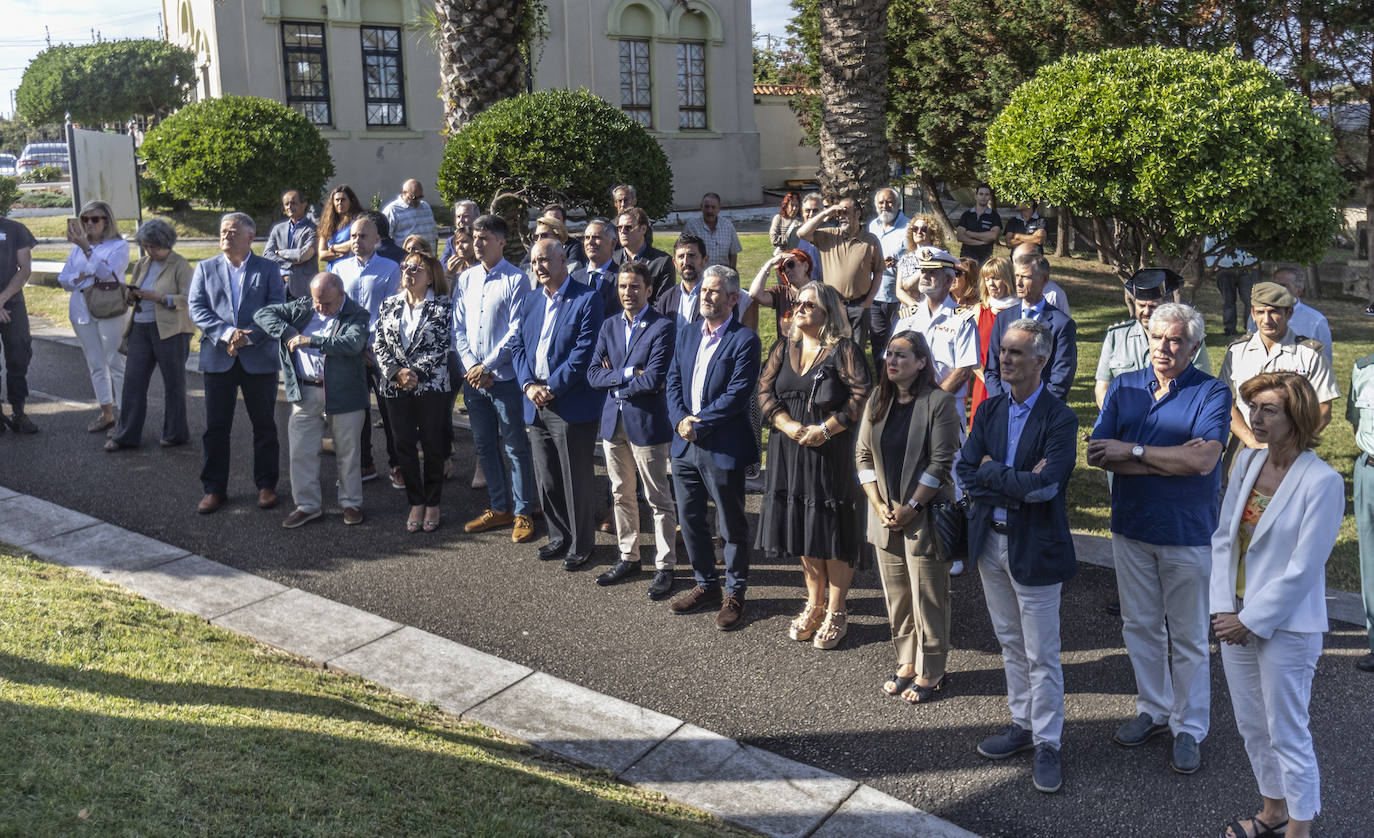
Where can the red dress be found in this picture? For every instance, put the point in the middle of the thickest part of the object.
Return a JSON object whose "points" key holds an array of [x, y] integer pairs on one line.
{"points": [[986, 317]]}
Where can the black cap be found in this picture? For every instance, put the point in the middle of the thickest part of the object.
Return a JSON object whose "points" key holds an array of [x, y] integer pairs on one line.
{"points": [[1153, 284]]}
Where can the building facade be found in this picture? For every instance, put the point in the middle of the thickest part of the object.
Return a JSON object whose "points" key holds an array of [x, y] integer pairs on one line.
{"points": [[366, 72]]}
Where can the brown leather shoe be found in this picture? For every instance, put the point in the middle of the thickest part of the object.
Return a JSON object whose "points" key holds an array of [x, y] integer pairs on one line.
{"points": [[352, 515], [731, 614], [523, 530], [608, 522], [267, 498], [489, 520], [299, 518], [210, 503], [694, 600]]}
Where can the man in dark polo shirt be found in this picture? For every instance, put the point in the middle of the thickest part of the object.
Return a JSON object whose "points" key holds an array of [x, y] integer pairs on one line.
{"points": [[980, 227], [851, 261], [16, 254], [1161, 433], [1026, 227]]}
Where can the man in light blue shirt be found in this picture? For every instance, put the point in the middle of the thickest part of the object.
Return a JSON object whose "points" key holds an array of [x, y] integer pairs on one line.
{"points": [[889, 228], [486, 315]]}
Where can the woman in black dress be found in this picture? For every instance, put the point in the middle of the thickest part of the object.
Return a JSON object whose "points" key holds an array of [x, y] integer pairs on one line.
{"points": [[811, 392]]}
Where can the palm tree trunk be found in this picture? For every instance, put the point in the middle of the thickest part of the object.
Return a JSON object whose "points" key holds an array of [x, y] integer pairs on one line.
{"points": [[853, 59], [480, 57]]}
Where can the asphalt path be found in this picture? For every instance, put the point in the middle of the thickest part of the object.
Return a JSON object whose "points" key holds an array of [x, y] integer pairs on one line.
{"points": [[755, 685]]}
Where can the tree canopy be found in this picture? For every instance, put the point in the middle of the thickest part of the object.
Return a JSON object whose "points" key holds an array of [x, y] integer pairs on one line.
{"points": [[238, 152], [109, 81], [536, 146], [1174, 145]]}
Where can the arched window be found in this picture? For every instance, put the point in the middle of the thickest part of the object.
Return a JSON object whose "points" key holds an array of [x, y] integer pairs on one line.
{"points": [[635, 24]]}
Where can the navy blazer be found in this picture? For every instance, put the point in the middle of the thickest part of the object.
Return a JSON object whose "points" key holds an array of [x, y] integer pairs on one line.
{"points": [[212, 310], [610, 294], [570, 351], [668, 301], [1059, 369], [662, 271], [724, 429], [641, 399], [1039, 545]]}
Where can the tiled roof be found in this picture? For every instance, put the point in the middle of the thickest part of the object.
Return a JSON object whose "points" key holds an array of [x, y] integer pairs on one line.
{"points": [[783, 90]]}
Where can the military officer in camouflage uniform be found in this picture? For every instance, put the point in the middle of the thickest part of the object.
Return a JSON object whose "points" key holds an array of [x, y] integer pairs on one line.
{"points": [[1127, 345]]}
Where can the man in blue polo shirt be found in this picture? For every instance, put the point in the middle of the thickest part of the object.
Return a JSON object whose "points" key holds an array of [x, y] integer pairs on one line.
{"points": [[1161, 432]]}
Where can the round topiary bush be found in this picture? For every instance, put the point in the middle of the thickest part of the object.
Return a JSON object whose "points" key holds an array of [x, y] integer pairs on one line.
{"points": [[237, 152], [564, 146]]}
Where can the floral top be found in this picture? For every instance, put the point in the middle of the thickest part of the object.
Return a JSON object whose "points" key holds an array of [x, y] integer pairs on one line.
{"points": [[1249, 519]]}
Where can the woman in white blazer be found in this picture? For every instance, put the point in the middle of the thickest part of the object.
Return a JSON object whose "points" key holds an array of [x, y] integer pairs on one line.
{"points": [[1279, 519]]}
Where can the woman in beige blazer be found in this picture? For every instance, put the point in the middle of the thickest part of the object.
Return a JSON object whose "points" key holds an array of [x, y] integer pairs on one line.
{"points": [[157, 335], [904, 450], [1278, 523]]}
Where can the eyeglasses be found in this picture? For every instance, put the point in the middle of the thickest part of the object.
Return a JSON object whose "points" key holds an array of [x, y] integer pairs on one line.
{"points": [[807, 305], [93, 219]]}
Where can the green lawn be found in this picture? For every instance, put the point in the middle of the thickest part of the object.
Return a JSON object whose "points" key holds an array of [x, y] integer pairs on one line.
{"points": [[120, 717], [196, 223]]}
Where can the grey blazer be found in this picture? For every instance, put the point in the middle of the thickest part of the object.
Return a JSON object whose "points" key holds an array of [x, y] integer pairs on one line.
{"points": [[286, 250]]}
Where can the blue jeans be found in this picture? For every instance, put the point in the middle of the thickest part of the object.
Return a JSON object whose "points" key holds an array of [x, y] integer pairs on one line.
{"points": [[498, 421]]}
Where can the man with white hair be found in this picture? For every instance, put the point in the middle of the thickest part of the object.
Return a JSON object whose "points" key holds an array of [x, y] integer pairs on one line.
{"points": [[1161, 433], [1126, 347], [1305, 320], [889, 228]]}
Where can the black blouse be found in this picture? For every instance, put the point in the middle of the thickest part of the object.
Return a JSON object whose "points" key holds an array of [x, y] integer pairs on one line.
{"points": [[893, 445]]}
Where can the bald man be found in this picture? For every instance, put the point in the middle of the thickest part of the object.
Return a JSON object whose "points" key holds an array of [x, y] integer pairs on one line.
{"points": [[409, 215]]}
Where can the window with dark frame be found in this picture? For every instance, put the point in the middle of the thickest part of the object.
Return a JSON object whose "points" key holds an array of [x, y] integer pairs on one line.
{"points": [[384, 90], [691, 85], [307, 70], [635, 96]]}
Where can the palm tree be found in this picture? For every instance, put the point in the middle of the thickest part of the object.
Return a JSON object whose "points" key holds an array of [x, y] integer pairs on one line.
{"points": [[482, 54], [853, 63]]}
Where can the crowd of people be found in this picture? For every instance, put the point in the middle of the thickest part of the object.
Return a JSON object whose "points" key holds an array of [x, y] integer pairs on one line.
{"points": [[916, 402]]}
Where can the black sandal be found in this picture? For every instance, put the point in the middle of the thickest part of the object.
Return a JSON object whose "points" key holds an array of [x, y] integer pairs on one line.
{"points": [[1262, 829], [899, 685], [923, 695]]}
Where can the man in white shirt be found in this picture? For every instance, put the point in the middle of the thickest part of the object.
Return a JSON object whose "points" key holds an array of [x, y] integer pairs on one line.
{"points": [[1306, 320], [953, 340], [889, 228]]}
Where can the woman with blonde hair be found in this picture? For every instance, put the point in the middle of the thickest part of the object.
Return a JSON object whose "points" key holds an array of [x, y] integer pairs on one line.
{"points": [[997, 292], [94, 274], [921, 231], [416, 243], [811, 392]]}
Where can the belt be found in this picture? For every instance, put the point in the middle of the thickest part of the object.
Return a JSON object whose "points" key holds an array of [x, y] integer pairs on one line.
{"points": [[309, 382], [856, 300], [1000, 527], [1368, 460]]}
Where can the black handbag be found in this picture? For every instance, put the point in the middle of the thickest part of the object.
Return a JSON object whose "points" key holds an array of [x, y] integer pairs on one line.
{"points": [[949, 527]]}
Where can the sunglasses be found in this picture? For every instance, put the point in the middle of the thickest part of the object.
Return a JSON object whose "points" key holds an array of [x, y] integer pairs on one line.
{"points": [[788, 265], [919, 228], [92, 219], [807, 305], [624, 227], [960, 271], [413, 267]]}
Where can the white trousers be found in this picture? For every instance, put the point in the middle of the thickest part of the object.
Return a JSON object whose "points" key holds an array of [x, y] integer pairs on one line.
{"points": [[1164, 603], [623, 461], [100, 341], [1271, 685], [1026, 620], [304, 430]]}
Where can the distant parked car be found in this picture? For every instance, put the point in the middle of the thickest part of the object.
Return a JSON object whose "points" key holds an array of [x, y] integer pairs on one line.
{"points": [[9, 165], [44, 154]]}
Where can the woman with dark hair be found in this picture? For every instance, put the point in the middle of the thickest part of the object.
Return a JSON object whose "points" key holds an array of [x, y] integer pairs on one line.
{"points": [[157, 336], [412, 345], [783, 231], [341, 209], [967, 278], [904, 450], [94, 272], [811, 391], [1279, 520]]}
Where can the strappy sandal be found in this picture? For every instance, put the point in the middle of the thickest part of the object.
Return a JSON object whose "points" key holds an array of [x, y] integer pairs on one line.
{"points": [[924, 695], [805, 624], [1262, 829], [832, 631], [899, 684]]}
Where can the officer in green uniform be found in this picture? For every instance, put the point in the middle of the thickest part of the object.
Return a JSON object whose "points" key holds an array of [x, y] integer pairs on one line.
{"points": [[1127, 345]]}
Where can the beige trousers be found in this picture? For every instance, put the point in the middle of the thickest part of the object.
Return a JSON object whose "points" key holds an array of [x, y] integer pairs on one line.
{"points": [[623, 461], [917, 593]]}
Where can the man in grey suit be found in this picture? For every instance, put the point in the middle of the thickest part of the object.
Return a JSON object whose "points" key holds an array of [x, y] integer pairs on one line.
{"points": [[291, 244], [236, 355]]}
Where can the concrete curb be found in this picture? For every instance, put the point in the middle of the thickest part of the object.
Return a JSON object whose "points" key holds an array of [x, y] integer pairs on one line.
{"points": [[736, 782]]}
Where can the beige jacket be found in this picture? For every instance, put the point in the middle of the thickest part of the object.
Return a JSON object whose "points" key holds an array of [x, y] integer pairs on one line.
{"points": [[174, 280]]}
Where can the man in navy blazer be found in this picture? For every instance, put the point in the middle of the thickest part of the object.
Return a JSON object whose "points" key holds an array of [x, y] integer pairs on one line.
{"points": [[236, 355], [598, 244], [559, 324], [1032, 272], [631, 364], [710, 385], [1015, 466]]}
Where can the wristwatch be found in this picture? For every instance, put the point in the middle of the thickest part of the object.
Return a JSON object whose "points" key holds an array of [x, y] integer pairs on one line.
{"points": [[916, 505], [1138, 452]]}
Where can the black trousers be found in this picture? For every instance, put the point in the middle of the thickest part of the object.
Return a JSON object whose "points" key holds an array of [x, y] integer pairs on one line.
{"points": [[17, 345], [881, 318], [392, 459], [419, 419], [858, 323], [563, 468], [148, 350], [1235, 286], [259, 399]]}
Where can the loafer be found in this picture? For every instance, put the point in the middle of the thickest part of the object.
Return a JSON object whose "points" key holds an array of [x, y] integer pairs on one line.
{"points": [[352, 515], [267, 498], [522, 530], [695, 600], [553, 550], [490, 519], [1009, 741], [398, 480], [299, 518], [619, 572], [572, 561], [1366, 663], [23, 424], [369, 473], [1187, 754], [171, 443], [1046, 772], [731, 615], [662, 585], [1138, 731], [210, 503]]}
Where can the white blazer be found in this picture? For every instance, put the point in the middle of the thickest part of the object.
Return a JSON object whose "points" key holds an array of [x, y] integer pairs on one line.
{"points": [[1285, 567]]}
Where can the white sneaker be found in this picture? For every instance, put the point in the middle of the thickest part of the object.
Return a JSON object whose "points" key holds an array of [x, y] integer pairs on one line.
{"points": [[957, 568]]}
